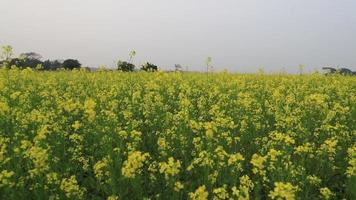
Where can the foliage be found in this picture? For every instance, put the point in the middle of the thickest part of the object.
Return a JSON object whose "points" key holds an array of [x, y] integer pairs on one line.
{"points": [[125, 66], [52, 64], [33, 60], [30, 56], [113, 135], [25, 62], [7, 52], [342, 71], [5, 56], [149, 67], [71, 64]]}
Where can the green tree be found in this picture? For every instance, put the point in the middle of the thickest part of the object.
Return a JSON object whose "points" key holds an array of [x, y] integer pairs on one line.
{"points": [[52, 64], [125, 66], [149, 67], [7, 52], [5, 56], [71, 64], [31, 60]]}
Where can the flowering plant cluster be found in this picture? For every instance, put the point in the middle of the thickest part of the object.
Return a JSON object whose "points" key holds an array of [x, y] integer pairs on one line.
{"points": [[116, 135]]}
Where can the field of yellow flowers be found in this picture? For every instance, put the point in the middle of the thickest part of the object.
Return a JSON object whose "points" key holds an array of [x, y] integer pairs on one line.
{"points": [[112, 135]]}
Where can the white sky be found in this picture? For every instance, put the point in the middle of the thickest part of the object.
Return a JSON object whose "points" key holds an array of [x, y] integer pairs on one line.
{"points": [[240, 35]]}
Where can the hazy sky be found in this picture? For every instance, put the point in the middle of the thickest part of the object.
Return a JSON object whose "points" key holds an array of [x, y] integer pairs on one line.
{"points": [[240, 35]]}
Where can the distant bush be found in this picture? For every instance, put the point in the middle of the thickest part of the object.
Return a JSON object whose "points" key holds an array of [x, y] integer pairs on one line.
{"points": [[149, 67], [33, 60], [52, 64], [125, 66], [71, 64], [342, 71]]}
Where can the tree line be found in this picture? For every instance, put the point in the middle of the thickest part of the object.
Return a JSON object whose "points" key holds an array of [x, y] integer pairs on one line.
{"points": [[342, 71], [34, 60]]}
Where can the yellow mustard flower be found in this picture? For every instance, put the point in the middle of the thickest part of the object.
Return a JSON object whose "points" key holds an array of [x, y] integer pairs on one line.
{"points": [[71, 188], [133, 164], [178, 186], [258, 166], [76, 125], [5, 178], [199, 194], [113, 197], [101, 168], [326, 193], [283, 191], [220, 193], [351, 169], [169, 168], [89, 109]]}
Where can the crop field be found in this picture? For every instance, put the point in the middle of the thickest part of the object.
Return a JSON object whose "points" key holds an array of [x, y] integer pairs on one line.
{"points": [[113, 135]]}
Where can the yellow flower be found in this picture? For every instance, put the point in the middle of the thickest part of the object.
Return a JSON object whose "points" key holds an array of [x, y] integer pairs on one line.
{"points": [[70, 105], [305, 148], [245, 181], [162, 145], [100, 168], [52, 178], [243, 193], [133, 164], [4, 108], [257, 162], [199, 194], [221, 155], [89, 109], [283, 191], [39, 157], [3, 146], [317, 99], [76, 125], [210, 128], [326, 193], [220, 193], [178, 186], [329, 145], [273, 154], [127, 114], [14, 95], [313, 180], [203, 160], [282, 137], [42, 134], [113, 197], [234, 158], [203, 133], [209, 133], [235, 191], [351, 169], [213, 176], [170, 168], [5, 178], [195, 126], [71, 188], [89, 104], [123, 134]]}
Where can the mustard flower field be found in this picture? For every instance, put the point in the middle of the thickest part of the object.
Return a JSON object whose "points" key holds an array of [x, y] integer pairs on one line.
{"points": [[113, 135]]}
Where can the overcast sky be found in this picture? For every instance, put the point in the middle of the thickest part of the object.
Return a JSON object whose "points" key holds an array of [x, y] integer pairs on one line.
{"points": [[240, 35]]}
